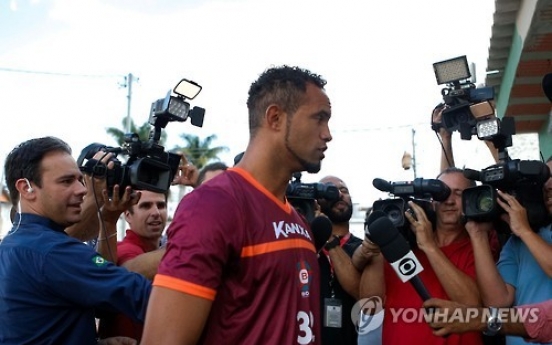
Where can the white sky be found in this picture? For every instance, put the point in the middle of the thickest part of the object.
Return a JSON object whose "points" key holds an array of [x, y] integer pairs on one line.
{"points": [[376, 56]]}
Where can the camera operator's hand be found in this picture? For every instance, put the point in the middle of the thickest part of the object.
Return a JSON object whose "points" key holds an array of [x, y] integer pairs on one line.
{"points": [[87, 228], [516, 215], [96, 184], [452, 317], [420, 224], [437, 122], [318, 210], [364, 253], [113, 207], [187, 174], [478, 230]]}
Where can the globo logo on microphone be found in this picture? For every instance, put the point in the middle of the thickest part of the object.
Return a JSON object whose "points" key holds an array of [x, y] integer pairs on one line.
{"points": [[407, 267]]}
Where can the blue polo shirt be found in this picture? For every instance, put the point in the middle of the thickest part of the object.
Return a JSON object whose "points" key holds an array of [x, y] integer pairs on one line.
{"points": [[52, 285]]}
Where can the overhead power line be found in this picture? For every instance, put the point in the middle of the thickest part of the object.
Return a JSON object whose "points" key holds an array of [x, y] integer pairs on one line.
{"points": [[365, 129], [61, 74]]}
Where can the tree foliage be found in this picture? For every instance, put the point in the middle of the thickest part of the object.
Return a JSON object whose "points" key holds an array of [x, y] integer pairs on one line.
{"points": [[199, 151], [143, 132]]}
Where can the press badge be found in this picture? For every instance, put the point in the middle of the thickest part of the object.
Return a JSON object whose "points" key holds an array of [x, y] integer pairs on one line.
{"points": [[332, 312]]}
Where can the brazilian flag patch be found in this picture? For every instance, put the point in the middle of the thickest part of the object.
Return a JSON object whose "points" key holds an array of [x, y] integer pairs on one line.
{"points": [[98, 260]]}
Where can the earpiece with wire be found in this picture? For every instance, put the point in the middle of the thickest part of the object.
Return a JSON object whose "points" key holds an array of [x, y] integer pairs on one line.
{"points": [[29, 187]]}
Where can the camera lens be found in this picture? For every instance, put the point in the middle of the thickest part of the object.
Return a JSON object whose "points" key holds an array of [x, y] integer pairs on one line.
{"points": [[484, 201], [463, 117], [394, 213]]}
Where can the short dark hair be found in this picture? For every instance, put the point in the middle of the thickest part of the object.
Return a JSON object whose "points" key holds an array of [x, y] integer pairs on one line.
{"points": [[210, 167], [166, 194], [283, 85], [455, 170], [25, 159]]}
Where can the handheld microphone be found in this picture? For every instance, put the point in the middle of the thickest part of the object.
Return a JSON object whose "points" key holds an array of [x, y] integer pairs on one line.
{"points": [[371, 218], [396, 251], [321, 228]]}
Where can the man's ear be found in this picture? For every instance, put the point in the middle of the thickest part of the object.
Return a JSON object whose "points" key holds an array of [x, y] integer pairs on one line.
{"points": [[25, 190], [275, 117], [127, 216]]}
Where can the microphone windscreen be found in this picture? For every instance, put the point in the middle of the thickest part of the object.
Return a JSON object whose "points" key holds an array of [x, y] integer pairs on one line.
{"points": [[392, 244], [321, 228], [371, 218], [381, 184]]}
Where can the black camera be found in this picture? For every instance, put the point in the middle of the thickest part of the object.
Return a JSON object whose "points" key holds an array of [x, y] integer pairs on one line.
{"points": [[421, 191], [302, 196], [524, 179], [148, 166], [464, 103]]}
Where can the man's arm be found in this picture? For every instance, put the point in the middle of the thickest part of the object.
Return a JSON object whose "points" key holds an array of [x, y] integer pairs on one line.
{"points": [[146, 264], [458, 285], [87, 228], [450, 317], [347, 275], [519, 224], [494, 291], [364, 254], [533, 322], [174, 318], [187, 173], [110, 213], [372, 280], [539, 323], [445, 137]]}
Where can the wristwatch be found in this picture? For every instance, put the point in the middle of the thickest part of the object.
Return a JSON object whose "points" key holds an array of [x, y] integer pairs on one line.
{"points": [[334, 242], [494, 322]]}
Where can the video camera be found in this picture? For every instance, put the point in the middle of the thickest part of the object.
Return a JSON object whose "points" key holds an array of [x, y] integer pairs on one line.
{"points": [[421, 191], [149, 166], [524, 179], [464, 103], [302, 196], [470, 112]]}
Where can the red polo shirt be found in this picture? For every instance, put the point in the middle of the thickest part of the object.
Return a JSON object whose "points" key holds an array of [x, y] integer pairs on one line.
{"points": [[119, 324]]}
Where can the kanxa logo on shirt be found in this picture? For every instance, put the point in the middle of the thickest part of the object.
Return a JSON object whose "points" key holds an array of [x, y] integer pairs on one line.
{"points": [[98, 260], [284, 229]]}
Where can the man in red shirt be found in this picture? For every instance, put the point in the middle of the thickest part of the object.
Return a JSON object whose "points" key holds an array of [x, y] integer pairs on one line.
{"points": [[241, 266], [449, 271], [139, 252]]}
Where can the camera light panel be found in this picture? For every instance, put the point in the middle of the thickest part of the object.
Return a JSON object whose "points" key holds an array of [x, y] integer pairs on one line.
{"points": [[179, 108], [452, 70], [487, 128]]}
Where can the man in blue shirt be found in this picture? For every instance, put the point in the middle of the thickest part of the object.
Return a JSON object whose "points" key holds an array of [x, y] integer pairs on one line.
{"points": [[52, 285]]}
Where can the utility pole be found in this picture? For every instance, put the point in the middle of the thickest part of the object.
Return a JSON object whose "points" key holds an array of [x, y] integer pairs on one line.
{"points": [[414, 152], [129, 79]]}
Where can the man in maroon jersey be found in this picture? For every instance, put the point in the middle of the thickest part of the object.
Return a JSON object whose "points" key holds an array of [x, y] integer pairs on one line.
{"points": [[241, 266]]}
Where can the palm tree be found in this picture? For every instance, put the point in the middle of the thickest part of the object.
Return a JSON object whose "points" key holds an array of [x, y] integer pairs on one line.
{"points": [[199, 152], [143, 132]]}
